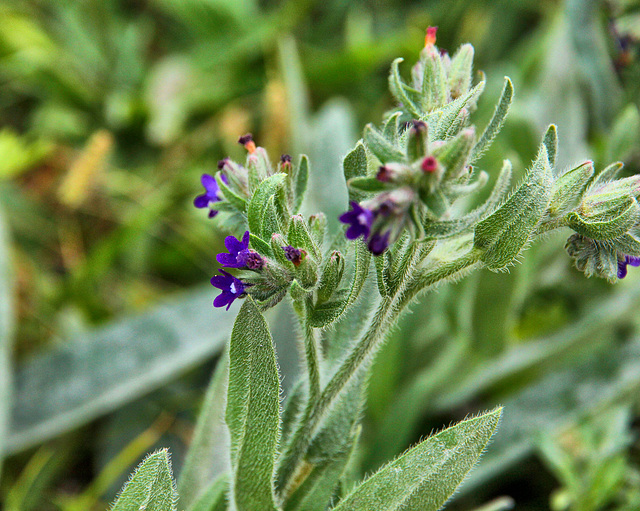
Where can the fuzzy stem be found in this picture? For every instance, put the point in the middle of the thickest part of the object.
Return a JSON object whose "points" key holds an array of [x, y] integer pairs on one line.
{"points": [[313, 362]]}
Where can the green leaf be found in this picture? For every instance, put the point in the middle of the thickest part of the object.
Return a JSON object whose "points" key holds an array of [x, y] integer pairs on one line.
{"points": [[449, 123], [6, 333], [434, 84], [301, 180], [151, 486], [569, 189], [391, 129], [384, 150], [208, 455], [257, 211], [231, 197], [550, 141], [404, 94], [460, 71], [367, 184], [253, 410], [427, 475], [496, 122], [503, 235], [214, 497], [70, 385], [259, 245], [355, 165]]}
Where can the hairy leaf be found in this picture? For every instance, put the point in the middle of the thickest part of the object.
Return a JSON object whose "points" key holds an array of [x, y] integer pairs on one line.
{"points": [[253, 410], [424, 477], [151, 486]]}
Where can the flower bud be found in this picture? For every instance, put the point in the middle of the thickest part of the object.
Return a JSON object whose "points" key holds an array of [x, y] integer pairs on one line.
{"points": [[417, 140], [300, 237], [318, 227], [331, 277], [236, 174], [593, 258], [604, 217], [569, 188]]}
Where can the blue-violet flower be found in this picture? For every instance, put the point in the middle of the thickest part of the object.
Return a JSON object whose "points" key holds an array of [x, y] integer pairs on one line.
{"points": [[211, 195], [622, 265], [231, 287], [240, 256], [360, 220]]}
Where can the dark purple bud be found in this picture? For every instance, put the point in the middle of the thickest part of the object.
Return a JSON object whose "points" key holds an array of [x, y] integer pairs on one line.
{"points": [[295, 255], [285, 158], [247, 142], [359, 219], [222, 163], [384, 174], [429, 164], [231, 288], [254, 261], [418, 125], [379, 243]]}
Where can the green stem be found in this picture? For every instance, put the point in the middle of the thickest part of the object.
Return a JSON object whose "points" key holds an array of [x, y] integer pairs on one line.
{"points": [[293, 465], [313, 362], [549, 225]]}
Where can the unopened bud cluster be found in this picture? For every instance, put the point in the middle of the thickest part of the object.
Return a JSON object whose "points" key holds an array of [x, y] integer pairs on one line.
{"points": [[403, 179]]}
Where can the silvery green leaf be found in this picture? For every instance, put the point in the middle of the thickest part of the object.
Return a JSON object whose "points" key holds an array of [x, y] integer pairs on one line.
{"points": [[406, 95], [208, 455], [253, 410], [6, 333], [214, 498], [384, 150], [391, 129], [503, 235], [606, 175], [454, 154], [366, 184], [170, 339], [434, 83], [256, 210], [624, 137], [460, 71], [423, 478], [231, 197], [496, 122], [301, 178], [550, 141], [151, 486], [448, 125], [355, 165], [569, 188], [259, 245]]}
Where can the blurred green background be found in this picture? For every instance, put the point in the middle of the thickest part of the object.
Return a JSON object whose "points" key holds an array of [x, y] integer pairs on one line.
{"points": [[109, 113]]}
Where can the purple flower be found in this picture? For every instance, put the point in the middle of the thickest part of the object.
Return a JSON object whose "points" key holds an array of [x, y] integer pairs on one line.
{"points": [[378, 243], [360, 220], [231, 287], [240, 256], [622, 265], [295, 255], [211, 195]]}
